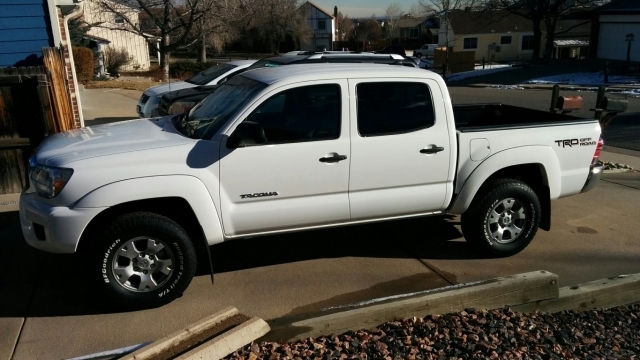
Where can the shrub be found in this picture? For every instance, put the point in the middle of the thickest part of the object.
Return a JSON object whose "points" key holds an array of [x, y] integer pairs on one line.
{"points": [[83, 61], [185, 69], [114, 59]]}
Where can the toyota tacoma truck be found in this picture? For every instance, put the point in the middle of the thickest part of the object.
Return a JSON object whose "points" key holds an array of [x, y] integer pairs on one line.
{"points": [[294, 148]]}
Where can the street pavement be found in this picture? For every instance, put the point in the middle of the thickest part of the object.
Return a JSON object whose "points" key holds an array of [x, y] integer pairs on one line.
{"points": [[50, 309]]}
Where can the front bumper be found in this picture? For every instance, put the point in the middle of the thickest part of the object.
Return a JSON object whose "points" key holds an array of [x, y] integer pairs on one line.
{"points": [[594, 176], [55, 229]]}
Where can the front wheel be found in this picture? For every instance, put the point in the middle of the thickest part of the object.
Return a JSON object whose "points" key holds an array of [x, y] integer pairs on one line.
{"points": [[503, 219], [144, 259]]}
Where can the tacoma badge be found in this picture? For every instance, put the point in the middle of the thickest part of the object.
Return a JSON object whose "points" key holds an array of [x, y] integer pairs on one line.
{"points": [[256, 195]]}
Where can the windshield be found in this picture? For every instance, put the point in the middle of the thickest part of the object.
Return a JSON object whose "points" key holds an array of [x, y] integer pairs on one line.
{"points": [[206, 76], [211, 113], [264, 63]]}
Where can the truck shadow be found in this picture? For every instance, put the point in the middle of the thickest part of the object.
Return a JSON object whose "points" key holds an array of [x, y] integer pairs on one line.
{"points": [[38, 284]]}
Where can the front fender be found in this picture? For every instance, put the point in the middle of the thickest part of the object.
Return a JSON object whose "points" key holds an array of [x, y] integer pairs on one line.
{"points": [[183, 186], [541, 155]]}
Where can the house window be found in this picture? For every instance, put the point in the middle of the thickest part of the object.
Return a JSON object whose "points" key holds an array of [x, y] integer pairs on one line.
{"points": [[527, 43], [118, 19], [505, 40], [413, 33], [322, 25], [470, 43]]}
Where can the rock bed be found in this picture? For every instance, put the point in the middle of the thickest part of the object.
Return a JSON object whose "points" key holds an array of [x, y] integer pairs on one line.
{"points": [[471, 334], [611, 165]]}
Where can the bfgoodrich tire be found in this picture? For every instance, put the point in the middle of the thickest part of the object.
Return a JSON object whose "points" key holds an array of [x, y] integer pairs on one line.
{"points": [[503, 219], [144, 260]]}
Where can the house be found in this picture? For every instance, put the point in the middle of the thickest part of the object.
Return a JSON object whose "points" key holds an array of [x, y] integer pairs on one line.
{"points": [[26, 26], [615, 27], [107, 26], [496, 36], [323, 25]]}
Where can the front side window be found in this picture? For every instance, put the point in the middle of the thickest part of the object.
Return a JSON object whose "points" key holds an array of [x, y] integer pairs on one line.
{"points": [[470, 43], [308, 113], [413, 33], [388, 108], [527, 43], [118, 19], [322, 25]]}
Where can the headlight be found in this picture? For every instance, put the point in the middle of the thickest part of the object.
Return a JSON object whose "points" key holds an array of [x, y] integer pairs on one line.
{"points": [[49, 181], [181, 107]]}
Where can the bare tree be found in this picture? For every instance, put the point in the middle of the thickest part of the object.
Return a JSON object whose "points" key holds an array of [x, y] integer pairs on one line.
{"points": [[277, 19], [345, 27], [446, 9], [393, 13], [539, 12], [173, 21], [367, 30]]}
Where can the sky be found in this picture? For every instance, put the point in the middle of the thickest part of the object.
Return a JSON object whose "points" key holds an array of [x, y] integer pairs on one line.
{"points": [[361, 8]]}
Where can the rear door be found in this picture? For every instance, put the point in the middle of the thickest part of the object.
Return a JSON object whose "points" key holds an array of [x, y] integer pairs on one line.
{"points": [[400, 148]]}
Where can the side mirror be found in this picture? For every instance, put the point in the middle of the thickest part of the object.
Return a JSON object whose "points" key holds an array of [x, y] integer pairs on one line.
{"points": [[246, 134]]}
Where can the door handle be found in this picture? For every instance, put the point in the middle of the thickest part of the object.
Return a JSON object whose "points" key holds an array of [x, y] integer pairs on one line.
{"points": [[432, 150], [333, 159]]}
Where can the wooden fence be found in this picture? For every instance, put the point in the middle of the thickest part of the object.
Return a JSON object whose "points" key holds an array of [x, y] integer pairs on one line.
{"points": [[34, 102]]}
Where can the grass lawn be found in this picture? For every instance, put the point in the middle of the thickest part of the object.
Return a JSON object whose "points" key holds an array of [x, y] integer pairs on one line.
{"points": [[118, 84]]}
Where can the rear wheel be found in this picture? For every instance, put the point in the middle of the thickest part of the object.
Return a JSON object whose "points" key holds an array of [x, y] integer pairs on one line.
{"points": [[503, 219], [144, 259]]}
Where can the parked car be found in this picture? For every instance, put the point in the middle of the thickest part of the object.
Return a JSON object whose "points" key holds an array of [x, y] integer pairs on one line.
{"points": [[297, 148], [426, 50], [214, 75], [395, 49], [179, 101]]}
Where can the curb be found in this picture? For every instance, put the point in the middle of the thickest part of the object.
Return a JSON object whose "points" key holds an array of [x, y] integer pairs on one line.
{"points": [[212, 338], [489, 294]]}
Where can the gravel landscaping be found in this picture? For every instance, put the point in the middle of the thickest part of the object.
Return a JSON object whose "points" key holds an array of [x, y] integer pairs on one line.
{"points": [[473, 334]]}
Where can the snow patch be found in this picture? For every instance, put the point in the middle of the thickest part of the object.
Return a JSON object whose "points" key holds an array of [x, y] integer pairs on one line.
{"points": [[592, 78], [468, 74], [505, 87]]}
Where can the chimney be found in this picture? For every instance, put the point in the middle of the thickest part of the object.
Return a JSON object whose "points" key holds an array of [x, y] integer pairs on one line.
{"points": [[335, 12], [335, 21]]}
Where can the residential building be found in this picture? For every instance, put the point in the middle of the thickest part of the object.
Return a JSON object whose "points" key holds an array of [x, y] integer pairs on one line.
{"points": [[26, 26], [323, 26], [108, 28], [616, 30]]}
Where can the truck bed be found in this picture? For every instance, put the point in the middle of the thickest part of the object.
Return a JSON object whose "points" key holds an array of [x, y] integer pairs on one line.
{"points": [[484, 117]]}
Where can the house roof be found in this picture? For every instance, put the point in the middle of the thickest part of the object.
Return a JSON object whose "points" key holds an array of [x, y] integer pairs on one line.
{"points": [[481, 22], [619, 7], [409, 22], [97, 38], [319, 8]]}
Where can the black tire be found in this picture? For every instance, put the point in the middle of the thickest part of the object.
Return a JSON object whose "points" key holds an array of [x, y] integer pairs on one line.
{"points": [[479, 221], [170, 265]]}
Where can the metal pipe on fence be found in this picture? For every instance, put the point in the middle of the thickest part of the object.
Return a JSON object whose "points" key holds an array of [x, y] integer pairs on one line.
{"points": [[483, 63], [554, 97], [599, 101], [606, 72]]}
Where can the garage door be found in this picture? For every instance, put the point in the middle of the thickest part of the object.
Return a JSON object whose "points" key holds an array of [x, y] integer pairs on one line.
{"points": [[611, 44]]}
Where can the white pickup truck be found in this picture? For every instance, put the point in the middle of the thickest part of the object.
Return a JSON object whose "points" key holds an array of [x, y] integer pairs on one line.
{"points": [[295, 148]]}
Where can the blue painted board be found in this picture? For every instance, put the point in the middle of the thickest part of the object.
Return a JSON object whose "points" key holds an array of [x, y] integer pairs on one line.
{"points": [[7, 11], [21, 2], [22, 22], [23, 34], [34, 46], [7, 60]]}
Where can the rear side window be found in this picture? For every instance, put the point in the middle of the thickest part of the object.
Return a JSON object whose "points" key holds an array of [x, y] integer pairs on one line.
{"points": [[388, 108]]}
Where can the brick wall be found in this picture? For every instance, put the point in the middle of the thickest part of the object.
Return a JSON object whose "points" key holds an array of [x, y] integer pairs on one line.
{"points": [[71, 85]]}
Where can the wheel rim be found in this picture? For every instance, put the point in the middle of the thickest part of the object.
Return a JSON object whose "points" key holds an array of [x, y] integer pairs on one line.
{"points": [[143, 264], [507, 220]]}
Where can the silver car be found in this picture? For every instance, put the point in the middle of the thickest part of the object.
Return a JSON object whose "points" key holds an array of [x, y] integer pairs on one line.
{"points": [[214, 75]]}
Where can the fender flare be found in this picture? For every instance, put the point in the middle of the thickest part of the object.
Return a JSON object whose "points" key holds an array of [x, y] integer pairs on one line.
{"points": [[542, 155], [187, 187]]}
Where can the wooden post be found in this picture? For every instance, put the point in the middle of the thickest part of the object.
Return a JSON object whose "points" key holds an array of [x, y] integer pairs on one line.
{"points": [[444, 71], [554, 97], [599, 100]]}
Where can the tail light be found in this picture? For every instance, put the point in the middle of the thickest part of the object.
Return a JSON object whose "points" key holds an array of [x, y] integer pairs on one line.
{"points": [[596, 155]]}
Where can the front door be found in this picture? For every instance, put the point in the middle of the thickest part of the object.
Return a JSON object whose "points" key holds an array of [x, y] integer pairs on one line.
{"points": [[400, 149], [300, 176]]}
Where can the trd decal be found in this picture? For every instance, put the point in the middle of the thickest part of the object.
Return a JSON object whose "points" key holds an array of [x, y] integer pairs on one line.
{"points": [[257, 195], [576, 142]]}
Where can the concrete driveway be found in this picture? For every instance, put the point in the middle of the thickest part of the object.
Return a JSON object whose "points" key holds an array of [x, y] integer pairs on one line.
{"points": [[50, 309], [101, 106]]}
